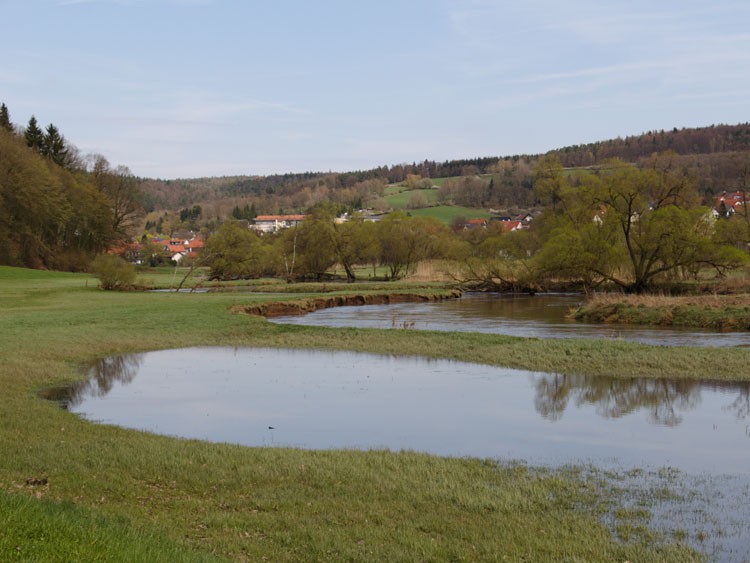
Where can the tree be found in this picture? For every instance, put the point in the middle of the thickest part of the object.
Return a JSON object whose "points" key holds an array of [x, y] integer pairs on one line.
{"points": [[49, 217], [5, 118], [630, 226], [312, 244], [549, 181], [113, 272], [54, 146], [124, 194], [234, 252], [33, 135], [406, 241], [501, 262]]}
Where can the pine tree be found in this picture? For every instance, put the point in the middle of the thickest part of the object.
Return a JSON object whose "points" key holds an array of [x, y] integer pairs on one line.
{"points": [[5, 119], [33, 135], [54, 147]]}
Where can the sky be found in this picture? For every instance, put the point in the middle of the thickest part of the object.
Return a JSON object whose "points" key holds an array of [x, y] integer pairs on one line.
{"points": [[194, 88]]}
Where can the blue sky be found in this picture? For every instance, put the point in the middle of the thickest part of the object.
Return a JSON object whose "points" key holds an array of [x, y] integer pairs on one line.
{"points": [[187, 88]]}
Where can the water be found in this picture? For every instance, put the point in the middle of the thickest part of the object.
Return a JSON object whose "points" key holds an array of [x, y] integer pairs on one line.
{"points": [[539, 316], [348, 400], [322, 400]]}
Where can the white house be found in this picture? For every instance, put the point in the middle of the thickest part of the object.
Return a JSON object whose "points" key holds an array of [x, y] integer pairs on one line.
{"points": [[273, 223]]}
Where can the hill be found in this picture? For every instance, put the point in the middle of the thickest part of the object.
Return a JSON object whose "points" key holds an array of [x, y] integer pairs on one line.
{"points": [[718, 154]]}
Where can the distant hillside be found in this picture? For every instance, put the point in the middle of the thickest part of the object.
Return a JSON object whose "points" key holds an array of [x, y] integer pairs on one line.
{"points": [[279, 190], [719, 155], [716, 139]]}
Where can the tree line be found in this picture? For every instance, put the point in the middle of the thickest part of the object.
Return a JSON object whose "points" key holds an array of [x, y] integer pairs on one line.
{"points": [[719, 156], [58, 209], [625, 225]]}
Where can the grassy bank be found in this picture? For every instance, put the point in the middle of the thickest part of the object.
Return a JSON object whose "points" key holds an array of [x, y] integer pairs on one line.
{"points": [[217, 500], [720, 312]]}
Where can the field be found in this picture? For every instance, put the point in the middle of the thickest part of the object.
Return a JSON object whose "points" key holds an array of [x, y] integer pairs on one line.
{"points": [[399, 197], [74, 490], [447, 213]]}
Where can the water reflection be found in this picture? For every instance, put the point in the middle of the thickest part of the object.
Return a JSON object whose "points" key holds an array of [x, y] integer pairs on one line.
{"points": [[663, 399], [330, 400], [103, 374], [614, 398]]}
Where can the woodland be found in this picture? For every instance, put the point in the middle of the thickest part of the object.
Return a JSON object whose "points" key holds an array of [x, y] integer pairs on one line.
{"points": [[626, 212]]}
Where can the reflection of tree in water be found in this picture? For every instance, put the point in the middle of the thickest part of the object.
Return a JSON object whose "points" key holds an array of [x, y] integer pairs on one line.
{"points": [[741, 405], [103, 374], [663, 398]]}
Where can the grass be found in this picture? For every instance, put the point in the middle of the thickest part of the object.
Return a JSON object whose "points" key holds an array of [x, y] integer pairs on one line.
{"points": [[400, 199], [722, 312], [165, 497], [44, 530], [447, 213]]}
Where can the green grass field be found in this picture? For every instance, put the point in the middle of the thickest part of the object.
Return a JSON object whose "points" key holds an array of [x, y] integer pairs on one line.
{"points": [[400, 199], [95, 492], [447, 213]]}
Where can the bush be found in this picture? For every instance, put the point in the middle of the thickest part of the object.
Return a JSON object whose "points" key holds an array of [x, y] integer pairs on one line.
{"points": [[113, 272]]}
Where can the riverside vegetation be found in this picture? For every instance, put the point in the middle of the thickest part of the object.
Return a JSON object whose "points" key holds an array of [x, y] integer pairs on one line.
{"points": [[136, 496], [718, 312]]}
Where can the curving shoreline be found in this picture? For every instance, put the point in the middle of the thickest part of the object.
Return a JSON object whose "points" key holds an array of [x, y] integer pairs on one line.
{"points": [[304, 306]]}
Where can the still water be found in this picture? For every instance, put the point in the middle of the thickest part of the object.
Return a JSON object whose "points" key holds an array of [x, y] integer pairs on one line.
{"points": [[315, 399], [540, 316]]}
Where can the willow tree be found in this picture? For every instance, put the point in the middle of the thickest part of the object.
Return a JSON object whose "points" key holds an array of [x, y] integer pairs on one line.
{"points": [[631, 225], [235, 252], [405, 241], [348, 243]]}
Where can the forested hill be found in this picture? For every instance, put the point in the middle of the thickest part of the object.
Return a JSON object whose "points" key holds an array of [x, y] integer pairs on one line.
{"points": [[718, 154], [172, 194], [713, 140], [57, 211]]}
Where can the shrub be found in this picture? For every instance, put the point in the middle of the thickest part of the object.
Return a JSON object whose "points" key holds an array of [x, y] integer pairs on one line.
{"points": [[113, 272]]}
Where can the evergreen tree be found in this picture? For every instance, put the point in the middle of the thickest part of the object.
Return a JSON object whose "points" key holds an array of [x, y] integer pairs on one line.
{"points": [[33, 135], [53, 146], [5, 118]]}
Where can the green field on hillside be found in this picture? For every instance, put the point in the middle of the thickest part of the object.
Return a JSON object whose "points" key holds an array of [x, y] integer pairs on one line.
{"points": [[401, 199], [447, 213]]}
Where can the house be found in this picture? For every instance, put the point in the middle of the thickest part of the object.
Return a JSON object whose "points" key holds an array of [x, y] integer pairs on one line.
{"points": [[177, 249], [525, 218], [273, 223], [509, 226], [729, 203], [475, 224]]}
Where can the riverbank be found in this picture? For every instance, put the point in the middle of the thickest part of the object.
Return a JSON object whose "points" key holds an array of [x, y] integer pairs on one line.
{"points": [[304, 306], [718, 312], [207, 501]]}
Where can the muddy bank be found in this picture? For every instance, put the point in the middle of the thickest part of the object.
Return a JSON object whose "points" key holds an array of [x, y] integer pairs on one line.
{"points": [[304, 306]]}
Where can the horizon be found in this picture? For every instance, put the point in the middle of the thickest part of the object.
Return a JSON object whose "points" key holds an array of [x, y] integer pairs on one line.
{"points": [[182, 89]]}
